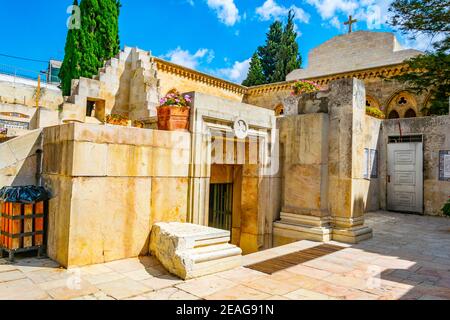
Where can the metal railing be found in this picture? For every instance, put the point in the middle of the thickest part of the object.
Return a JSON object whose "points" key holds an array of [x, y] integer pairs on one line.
{"points": [[21, 73]]}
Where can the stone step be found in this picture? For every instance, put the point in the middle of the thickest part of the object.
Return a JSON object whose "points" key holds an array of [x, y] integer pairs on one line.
{"points": [[191, 251]]}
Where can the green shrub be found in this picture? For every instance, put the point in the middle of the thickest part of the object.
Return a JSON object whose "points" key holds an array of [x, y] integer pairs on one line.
{"points": [[446, 208], [375, 112]]}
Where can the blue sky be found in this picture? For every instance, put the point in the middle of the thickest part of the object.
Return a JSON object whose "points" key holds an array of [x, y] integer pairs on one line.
{"points": [[213, 36]]}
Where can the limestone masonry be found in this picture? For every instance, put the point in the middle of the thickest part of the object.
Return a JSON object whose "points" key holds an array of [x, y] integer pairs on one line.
{"points": [[307, 167]]}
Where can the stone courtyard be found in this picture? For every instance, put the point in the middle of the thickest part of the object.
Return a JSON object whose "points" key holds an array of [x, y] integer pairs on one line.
{"points": [[407, 258]]}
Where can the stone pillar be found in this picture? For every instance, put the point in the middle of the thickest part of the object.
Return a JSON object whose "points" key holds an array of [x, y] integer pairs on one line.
{"points": [[304, 215], [345, 161], [322, 156]]}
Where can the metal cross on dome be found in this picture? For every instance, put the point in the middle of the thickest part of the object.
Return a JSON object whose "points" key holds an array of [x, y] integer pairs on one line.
{"points": [[349, 23]]}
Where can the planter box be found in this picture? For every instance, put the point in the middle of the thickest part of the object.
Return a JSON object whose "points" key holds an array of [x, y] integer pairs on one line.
{"points": [[173, 118]]}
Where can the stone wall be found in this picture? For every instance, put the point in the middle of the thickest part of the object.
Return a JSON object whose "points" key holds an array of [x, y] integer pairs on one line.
{"points": [[354, 51], [383, 95], [172, 76], [20, 160], [372, 186], [436, 137], [109, 185], [14, 90]]}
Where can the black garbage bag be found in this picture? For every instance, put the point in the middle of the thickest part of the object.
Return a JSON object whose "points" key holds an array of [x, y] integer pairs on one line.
{"points": [[24, 194]]}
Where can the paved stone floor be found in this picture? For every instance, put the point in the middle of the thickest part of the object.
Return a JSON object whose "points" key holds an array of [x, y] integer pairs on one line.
{"points": [[408, 258]]}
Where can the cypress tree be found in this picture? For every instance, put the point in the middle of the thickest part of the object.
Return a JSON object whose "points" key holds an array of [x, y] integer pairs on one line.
{"points": [[107, 35], [255, 74], [95, 42], [287, 58], [267, 53], [70, 68], [90, 62]]}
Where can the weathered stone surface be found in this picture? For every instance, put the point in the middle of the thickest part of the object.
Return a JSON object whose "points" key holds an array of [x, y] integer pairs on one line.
{"points": [[353, 51], [436, 136], [191, 251]]}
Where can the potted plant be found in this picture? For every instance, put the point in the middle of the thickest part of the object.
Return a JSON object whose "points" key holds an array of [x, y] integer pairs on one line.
{"points": [[173, 113], [117, 119], [305, 86], [138, 124]]}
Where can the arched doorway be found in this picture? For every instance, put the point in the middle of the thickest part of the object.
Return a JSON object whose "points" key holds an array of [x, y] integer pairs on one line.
{"points": [[393, 115], [410, 113]]}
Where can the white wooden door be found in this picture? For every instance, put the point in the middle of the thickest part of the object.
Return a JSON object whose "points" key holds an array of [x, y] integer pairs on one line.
{"points": [[405, 177]]}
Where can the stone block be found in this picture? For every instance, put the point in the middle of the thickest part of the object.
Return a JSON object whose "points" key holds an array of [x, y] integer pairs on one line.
{"points": [[169, 199], [170, 162], [59, 207], [89, 159], [129, 161], [303, 188], [111, 224], [26, 145], [249, 205], [191, 251]]}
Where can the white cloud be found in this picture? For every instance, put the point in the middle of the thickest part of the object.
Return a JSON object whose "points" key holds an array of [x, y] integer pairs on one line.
{"points": [[336, 23], [328, 8], [236, 73], [191, 2], [185, 58], [272, 10], [226, 11], [420, 41]]}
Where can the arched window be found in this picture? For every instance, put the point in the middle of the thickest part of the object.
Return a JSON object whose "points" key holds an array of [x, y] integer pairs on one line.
{"points": [[401, 102], [279, 110], [410, 113], [393, 115], [372, 102]]}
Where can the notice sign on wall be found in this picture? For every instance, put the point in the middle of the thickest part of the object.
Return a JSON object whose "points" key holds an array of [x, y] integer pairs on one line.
{"points": [[444, 165], [8, 124], [370, 165]]}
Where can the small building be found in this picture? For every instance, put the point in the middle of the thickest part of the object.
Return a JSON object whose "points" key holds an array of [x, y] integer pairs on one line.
{"points": [[54, 66], [311, 173]]}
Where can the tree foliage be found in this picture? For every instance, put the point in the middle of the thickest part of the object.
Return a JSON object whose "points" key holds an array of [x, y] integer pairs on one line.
{"points": [[287, 58], [268, 52], [255, 75], [70, 68], [95, 42], [429, 72], [280, 53]]}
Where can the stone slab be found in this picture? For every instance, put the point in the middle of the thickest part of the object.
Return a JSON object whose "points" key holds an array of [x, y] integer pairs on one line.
{"points": [[191, 251]]}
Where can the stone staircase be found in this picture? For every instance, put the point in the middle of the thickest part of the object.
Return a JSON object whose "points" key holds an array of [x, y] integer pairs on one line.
{"points": [[127, 83]]}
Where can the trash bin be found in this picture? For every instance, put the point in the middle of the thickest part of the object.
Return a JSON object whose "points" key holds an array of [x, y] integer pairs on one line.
{"points": [[22, 220]]}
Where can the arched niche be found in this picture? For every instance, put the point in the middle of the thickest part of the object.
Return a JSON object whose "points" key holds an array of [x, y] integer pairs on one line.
{"points": [[279, 110], [410, 113], [371, 102], [393, 115], [401, 102]]}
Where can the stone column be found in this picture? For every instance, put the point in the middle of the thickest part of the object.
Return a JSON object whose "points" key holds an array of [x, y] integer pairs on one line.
{"points": [[346, 147], [322, 156], [304, 140]]}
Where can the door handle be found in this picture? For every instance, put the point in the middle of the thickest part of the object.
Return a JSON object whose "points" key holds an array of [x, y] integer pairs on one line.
{"points": [[389, 178]]}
